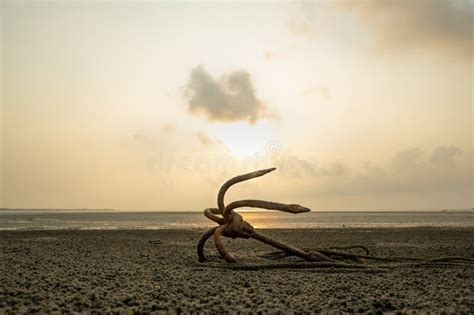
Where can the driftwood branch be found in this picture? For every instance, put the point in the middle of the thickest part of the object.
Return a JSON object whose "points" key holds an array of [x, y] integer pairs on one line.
{"points": [[232, 225]]}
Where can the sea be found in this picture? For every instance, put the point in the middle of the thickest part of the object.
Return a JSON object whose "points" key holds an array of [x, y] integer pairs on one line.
{"points": [[113, 219]]}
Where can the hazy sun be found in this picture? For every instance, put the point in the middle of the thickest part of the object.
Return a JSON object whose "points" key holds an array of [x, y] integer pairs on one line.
{"points": [[244, 139]]}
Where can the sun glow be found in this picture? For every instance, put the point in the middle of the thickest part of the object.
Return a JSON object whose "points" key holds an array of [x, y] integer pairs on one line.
{"points": [[243, 139]]}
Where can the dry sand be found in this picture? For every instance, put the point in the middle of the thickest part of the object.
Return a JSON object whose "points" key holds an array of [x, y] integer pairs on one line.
{"points": [[145, 271]]}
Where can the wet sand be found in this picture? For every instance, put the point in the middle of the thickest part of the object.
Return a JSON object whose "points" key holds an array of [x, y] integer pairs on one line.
{"points": [[157, 270]]}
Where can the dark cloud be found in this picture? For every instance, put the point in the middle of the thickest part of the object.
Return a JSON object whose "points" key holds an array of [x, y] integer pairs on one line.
{"points": [[445, 155], [439, 25], [447, 168], [442, 27], [406, 160], [412, 171], [230, 98]]}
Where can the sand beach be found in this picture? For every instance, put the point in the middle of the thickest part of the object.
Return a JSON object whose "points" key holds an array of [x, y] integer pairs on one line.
{"points": [[150, 271]]}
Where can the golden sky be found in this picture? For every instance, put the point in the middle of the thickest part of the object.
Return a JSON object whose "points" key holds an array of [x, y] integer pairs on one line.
{"points": [[152, 105]]}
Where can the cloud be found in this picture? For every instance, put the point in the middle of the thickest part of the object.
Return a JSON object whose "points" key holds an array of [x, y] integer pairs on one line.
{"points": [[231, 98], [406, 160], [203, 138], [335, 168], [445, 155], [447, 168], [441, 27], [435, 25]]}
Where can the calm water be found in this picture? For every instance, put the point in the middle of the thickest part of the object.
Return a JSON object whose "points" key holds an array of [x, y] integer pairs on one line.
{"points": [[54, 220]]}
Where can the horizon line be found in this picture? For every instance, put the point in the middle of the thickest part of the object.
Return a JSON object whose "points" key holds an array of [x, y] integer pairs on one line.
{"points": [[242, 210]]}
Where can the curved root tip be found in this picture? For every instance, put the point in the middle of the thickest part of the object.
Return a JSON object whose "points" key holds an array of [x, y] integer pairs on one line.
{"points": [[260, 172], [299, 209], [220, 246], [263, 172]]}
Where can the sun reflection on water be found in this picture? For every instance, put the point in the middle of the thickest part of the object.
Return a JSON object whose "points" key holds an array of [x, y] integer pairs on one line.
{"points": [[260, 219]]}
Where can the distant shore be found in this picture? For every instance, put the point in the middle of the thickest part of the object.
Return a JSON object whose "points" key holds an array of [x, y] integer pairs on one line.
{"points": [[252, 210], [151, 270], [46, 209]]}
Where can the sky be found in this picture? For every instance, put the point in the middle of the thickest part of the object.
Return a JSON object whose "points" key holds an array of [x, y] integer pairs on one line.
{"points": [[129, 105]]}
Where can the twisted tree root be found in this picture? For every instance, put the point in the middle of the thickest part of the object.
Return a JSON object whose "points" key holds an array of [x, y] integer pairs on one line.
{"points": [[232, 224], [211, 214], [325, 251], [264, 205], [202, 242], [220, 246], [235, 180], [315, 256], [331, 259], [447, 261]]}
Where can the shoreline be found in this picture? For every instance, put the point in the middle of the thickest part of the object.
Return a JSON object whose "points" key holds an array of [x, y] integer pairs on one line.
{"points": [[260, 220], [152, 270], [202, 229]]}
